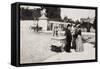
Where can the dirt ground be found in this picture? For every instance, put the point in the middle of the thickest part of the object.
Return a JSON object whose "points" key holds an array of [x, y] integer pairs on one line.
{"points": [[35, 48]]}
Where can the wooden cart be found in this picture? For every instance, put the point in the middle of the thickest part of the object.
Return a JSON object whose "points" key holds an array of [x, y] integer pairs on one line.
{"points": [[58, 43]]}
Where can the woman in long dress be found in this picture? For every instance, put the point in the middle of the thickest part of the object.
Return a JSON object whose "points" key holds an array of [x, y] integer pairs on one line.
{"points": [[79, 44]]}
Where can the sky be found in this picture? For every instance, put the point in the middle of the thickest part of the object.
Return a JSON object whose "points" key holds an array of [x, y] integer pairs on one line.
{"points": [[77, 13]]}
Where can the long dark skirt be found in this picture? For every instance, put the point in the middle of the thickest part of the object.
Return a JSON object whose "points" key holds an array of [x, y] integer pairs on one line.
{"points": [[74, 43], [67, 46]]}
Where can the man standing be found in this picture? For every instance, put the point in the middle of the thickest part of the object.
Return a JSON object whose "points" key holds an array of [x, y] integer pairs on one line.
{"points": [[68, 38]]}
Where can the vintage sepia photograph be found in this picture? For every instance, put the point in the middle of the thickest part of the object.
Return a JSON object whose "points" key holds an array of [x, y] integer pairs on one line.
{"points": [[56, 34]]}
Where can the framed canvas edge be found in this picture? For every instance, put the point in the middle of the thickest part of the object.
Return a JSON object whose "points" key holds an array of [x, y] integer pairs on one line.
{"points": [[17, 64]]}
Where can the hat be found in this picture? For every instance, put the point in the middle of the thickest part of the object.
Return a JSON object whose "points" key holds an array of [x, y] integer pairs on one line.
{"points": [[68, 25]]}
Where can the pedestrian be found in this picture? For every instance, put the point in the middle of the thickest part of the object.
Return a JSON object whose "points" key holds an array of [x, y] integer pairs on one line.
{"points": [[74, 36], [68, 39], [79, 43]]}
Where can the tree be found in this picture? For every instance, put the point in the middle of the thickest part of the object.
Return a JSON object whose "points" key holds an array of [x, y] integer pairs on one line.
{"points": [[53, 13], [70, 20], [36, 13], [30, 14], [77, 22]]}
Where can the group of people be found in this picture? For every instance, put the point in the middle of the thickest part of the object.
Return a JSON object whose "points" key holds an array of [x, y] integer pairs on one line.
{"points": [[73, 38]]}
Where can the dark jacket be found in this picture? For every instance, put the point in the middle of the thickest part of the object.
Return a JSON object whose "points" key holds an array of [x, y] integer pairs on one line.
{"points": [[77, 32], [68, 35]]}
